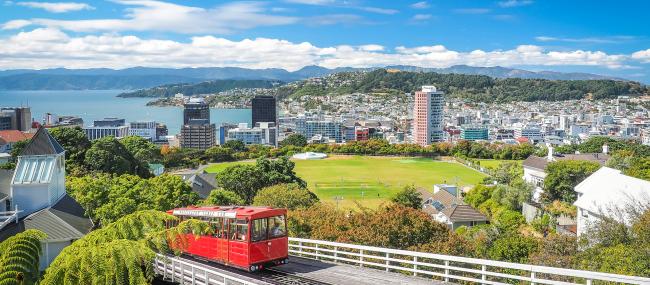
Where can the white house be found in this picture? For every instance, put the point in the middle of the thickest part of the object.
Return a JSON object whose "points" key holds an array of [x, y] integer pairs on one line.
{"points": [[609, 193], [535, 166], [34, 197]]}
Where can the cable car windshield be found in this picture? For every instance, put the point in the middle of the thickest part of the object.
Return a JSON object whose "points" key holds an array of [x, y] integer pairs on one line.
{"points": [[277, 227], [239, 230]]}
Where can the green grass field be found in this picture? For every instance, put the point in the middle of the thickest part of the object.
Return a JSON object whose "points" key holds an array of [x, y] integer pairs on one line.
{"points": [[494, 163], [372, 180]]}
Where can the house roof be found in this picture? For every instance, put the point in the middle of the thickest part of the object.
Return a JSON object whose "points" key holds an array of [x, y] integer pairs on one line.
{"points": [[12, 136], [42, 144], [203, 184], [63, 221], [540, 163], [452, 207], [608, 190]]}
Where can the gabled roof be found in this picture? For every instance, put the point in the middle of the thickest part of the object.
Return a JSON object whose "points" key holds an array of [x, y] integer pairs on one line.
{"points": [[540, 163], [452, 207], [63, 221], [42, 144], [203, 184], [12, 136], [608, 190]]}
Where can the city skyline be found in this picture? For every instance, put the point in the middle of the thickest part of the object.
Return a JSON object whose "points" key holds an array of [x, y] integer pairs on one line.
{"points": [[291, 34]]}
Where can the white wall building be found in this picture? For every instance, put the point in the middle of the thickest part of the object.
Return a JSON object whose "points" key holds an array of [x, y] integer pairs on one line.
{"points": [[608, 193], [144, 129]]}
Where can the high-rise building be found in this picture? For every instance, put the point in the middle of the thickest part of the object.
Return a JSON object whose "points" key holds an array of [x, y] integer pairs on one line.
{"points": [[5, 122], [427, 116], [263, 109], [197, 132], [21, 117], [195, 108]]}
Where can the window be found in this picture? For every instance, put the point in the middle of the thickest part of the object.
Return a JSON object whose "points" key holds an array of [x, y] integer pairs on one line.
{"points": [[217, 227], [239, 230], [258, 232], [277, 227]]}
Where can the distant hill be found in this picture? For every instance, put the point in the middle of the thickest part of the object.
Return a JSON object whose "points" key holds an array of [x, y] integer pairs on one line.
{"points": [[206, 87], [146, 77]]}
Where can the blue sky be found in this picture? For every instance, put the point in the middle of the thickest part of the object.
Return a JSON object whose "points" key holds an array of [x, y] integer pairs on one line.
{"points": [[604, 37]]}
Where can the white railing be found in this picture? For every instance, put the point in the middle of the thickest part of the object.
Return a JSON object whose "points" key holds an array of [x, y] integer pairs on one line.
{"points": [[181, 271], [8, 217], [449, 268]]}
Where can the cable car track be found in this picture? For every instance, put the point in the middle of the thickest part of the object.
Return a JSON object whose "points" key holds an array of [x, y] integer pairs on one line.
{"points": [[268, 275]]}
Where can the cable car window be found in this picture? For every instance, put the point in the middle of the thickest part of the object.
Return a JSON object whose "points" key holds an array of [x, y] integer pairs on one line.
{"points": [[277, 227], [258, 232], [240, 230], [217, 227]]}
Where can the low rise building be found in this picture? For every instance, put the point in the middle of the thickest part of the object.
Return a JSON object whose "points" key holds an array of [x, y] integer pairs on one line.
{"points": [[448, 209], [474, 132]]}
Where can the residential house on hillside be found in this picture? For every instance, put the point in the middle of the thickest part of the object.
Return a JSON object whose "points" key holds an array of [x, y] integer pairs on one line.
{"points": [[611, 194], [34, 197], [446, 208], [9, 137], [535, 166]]}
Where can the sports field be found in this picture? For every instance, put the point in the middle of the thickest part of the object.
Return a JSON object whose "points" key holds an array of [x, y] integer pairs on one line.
{"points": [[372, 180]]}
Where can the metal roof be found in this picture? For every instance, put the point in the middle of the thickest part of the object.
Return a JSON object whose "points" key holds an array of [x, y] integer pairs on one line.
{"points": [[42, 144]]}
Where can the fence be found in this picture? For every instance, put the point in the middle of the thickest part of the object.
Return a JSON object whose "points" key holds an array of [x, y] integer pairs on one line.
{"points": [[450, 268], [178, 270]]}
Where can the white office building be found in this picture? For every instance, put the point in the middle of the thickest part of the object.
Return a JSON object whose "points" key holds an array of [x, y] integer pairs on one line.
{"points": [[264, 133], [532, 132], [144, 129], [94, 133]]}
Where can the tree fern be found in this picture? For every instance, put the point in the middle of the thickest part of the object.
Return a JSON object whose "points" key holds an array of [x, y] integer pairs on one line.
{"points": [[19, 258], [121, 252]]}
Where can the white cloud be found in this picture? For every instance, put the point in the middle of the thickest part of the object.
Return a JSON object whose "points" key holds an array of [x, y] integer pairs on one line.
{"points": [[345, 4], [472, 11], [420, 5], [421, 17], [57, 7], [642, 55], [150, 15], [379, 10], [589, 40], [50, 47], [15, 24], [515, 3], [333, 19]]}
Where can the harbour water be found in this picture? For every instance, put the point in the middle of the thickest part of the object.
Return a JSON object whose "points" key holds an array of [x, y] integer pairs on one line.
{"points": [[96, 104]]}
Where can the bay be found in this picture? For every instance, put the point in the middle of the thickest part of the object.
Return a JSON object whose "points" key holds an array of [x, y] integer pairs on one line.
{"points": [[97, 104]]}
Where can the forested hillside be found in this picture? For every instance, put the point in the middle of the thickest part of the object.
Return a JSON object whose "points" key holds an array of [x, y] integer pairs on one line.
{"points": [[207, 87], [473, 87]]}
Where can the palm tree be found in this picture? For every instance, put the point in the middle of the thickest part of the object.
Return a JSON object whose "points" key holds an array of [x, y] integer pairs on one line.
{"points": [[19, 258]]}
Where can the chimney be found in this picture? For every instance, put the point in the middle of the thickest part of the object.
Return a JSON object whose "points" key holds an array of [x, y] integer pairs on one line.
{"points": [[605, 148], [549, 155]]}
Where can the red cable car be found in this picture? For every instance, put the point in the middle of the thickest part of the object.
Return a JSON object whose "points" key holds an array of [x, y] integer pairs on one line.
{"points": [[250, 238]]}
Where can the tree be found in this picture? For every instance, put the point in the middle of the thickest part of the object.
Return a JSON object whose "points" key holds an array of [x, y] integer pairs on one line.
{"points": [[247, 180], [219, 154], [244, 180], [507, 172], [290, 196], [556, 250], [478, 195], [141, 149], [107, 197], [17, 148], [235, 145], [19, 258], [113, 255], [563, 176], [75, 143], [513, 248], [508, 221], [639, 168], [409, 197], [513, 197], [294, 140], [108, 155], [222, 197]]}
